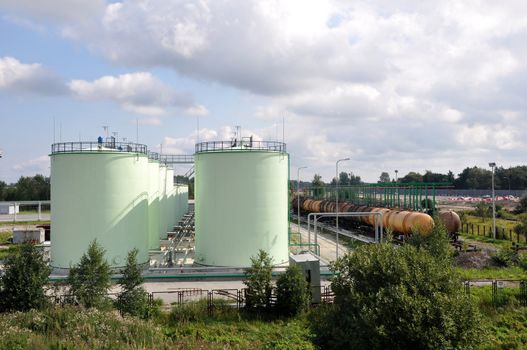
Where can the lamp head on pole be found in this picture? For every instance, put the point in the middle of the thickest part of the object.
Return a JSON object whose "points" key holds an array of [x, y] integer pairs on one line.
{"points": [[492, 165]]}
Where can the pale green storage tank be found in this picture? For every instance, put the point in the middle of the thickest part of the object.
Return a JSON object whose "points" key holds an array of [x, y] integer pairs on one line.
{"points": [[98, 192], [169, 224], [182, 201], [241, 202], [153, 204], [162, 201]]}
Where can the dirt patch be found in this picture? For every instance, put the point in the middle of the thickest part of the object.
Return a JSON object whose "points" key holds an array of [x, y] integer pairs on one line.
{"points": [[474, 260]]}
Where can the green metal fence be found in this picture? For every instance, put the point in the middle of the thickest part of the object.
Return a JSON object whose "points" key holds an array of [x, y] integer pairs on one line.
{"points": [[413, 196]]}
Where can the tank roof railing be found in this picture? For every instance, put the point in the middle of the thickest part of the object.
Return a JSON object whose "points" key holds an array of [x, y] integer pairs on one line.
{"points": [[93, 146], [240, 145], [176, 158], [153, 155]]}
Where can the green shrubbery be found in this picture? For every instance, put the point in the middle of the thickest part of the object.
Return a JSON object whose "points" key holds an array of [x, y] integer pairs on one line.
{"points": [[89, 280], [22, 285], [507, 257], [258, 282], [398, 298], [292, 292], [133, 299]]}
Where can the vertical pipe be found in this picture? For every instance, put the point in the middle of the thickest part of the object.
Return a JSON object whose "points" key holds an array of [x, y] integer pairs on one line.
{"points": [[493, 206]]}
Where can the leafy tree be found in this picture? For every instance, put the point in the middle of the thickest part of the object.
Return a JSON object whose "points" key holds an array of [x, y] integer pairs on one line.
{"points": [[22, 285], [3, 191], [384, 178], [389, 297], [482, 210], [292, 292], [133, 299], [89, 280], [318, 186], [412, 177], [344, 178], [355, 179], [258, 281], [450, 177], [430, 176], [475, 178]]}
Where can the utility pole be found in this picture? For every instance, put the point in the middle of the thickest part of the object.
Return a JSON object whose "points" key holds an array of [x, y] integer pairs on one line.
{"points": [[298, 199], [337, 198], [493, 166]]}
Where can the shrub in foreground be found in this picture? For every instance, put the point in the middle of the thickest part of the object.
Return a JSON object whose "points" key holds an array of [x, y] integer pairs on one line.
{"points": [[22, 285], [133, 299], [292, 292], [389, 297], [89, 280], [258, 282]]}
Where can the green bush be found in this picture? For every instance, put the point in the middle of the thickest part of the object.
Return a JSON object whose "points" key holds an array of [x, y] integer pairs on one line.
{"points": [[292, 292], [22, 285], [389, 297], [258, 281], [507, 257], [132, 299], [89, 280], [436, 243]]}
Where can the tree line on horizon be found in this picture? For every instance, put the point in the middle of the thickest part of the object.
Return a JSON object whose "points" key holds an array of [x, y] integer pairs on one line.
{"points": [[37, 187], [513, 178], [27, 188]]}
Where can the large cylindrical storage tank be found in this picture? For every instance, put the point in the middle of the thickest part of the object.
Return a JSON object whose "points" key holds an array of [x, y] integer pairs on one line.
{"points": [[99, 193], [153, 204], [182, 201], [162, 201], [241, 202], [170, 207]]}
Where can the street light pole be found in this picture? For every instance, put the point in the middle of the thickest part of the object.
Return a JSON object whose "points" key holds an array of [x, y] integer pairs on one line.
{"points": [[337, 198], [493, 165], [298, 199], [397, 187]]}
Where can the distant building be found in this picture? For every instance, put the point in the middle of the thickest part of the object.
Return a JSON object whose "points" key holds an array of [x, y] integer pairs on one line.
{"points": [[8, 208]]}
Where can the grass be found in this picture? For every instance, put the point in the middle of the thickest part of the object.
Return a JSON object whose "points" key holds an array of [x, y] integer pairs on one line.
{"points": [[18, 223], [73, 328], [514, 272], [505, 321], [34, 212], [501, 224], [499, 243], [5, 237], [11, 250]]}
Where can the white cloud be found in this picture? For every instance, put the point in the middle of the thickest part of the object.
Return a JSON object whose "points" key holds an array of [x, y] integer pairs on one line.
{"points": [[409, 85], [136, 92], [152, 121], [38, 165], [28, 78], [64, 11], [185, 145], [199, 110]]}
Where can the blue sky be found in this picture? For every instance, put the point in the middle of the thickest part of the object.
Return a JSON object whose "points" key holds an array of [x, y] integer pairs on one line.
{"points": [[405, 85]]}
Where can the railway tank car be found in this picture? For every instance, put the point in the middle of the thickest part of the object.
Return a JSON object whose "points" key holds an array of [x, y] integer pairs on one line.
{"points": [[400, 221]]}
